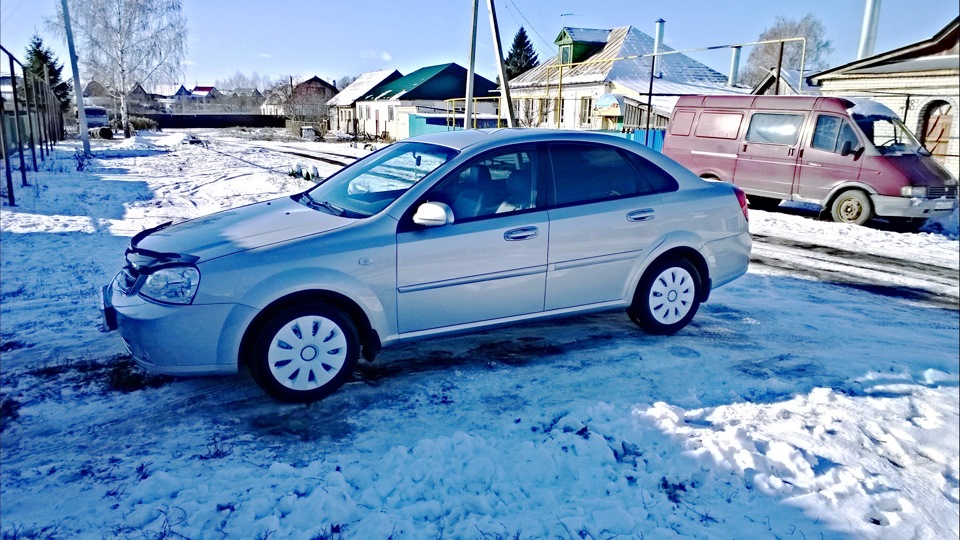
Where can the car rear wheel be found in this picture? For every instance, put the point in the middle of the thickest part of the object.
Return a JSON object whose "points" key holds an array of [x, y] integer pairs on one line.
{"points": [[667, 297], [851, 206], [305, 352]]}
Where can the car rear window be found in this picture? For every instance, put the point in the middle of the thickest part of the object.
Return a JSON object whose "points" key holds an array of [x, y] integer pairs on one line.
{"points": [[584, 172]]}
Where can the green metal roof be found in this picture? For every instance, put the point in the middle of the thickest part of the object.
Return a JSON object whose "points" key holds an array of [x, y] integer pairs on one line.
{"points": [[444, 81]]}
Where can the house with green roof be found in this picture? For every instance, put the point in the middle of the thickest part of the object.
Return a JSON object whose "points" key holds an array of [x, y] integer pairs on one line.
{"points": [[430, 91], [600, 79]]}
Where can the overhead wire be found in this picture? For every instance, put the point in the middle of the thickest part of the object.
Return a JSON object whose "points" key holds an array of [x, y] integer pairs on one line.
{"points": [[549, 46]]}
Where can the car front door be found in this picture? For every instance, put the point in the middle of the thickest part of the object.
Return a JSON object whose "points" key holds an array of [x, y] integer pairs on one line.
{"points": [[603, 216], [491, 261]]}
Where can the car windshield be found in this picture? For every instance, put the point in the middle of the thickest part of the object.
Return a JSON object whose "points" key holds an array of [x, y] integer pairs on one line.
{"points": [[888, 135], [368, 186]]}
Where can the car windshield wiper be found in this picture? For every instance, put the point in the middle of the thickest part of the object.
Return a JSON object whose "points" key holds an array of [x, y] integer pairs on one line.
{"points": [[326, 205]]}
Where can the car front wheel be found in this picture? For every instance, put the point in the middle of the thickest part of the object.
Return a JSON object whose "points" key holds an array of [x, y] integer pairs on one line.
{"points": [[304, 353], [667, 297]]}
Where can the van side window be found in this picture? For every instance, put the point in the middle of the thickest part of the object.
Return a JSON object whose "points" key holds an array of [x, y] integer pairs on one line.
{"points": [[682, 122], [831, 132], [719, 125], [775, 128]]}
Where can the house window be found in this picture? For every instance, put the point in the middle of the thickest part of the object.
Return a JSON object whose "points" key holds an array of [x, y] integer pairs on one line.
{"points": [[390, 112], [367, 113], [566, 54], [558, 111], [586, 109]]}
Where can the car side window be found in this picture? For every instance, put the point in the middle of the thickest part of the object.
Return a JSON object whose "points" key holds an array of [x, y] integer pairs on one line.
{"points": [[584, 172], [499, 183], [831, 132]]}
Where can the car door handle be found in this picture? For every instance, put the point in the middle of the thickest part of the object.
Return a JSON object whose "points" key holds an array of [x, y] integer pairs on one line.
{"points": [[812, 164], [645, 214], [523, 233]]}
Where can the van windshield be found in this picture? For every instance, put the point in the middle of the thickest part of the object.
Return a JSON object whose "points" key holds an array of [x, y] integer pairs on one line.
{"points": [[369, 185], [888, 135]]}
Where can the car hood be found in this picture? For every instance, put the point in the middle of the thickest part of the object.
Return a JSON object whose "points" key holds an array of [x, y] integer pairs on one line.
{"points": [[236, 230]]}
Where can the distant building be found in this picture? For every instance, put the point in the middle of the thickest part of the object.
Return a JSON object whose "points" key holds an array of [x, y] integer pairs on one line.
{"points": [[204, 93], [342, 106], [385, 110], [305, 101], [921, 82], [600, 80]]}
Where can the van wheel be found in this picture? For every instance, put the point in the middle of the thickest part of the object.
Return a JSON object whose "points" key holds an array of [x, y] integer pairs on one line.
{"points": [[667, 297], [304, 353], [852, 206]]}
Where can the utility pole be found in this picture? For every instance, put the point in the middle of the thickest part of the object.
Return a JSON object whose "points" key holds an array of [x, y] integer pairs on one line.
{"points": [[84, 136], [504, 84], [468, 109]]}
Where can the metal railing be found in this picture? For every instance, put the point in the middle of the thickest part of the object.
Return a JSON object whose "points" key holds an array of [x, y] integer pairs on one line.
{"points": [[30, 116]]}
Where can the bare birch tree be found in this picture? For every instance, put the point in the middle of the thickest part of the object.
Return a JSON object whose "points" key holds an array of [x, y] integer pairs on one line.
{"points": [[121, 43], [764, 57]]}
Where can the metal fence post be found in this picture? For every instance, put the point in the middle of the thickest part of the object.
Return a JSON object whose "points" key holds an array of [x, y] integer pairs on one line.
{"points": [[16, 122]]}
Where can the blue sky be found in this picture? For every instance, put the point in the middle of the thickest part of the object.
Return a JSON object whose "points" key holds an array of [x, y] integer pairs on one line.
{"points": [[333, 39]]}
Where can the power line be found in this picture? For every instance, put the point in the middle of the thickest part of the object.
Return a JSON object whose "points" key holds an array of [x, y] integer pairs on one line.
{"points": [[530, 26]]}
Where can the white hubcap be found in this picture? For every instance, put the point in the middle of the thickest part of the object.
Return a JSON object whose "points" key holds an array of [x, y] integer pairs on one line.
{"points": [[671, 295], [307, 353]]}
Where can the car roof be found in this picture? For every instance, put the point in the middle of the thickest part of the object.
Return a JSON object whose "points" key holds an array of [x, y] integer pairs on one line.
{"points": [[464, 139]]}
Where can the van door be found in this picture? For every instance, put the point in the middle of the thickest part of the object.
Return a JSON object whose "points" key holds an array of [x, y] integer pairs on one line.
{"points": [[823, 164], [767, 157]]}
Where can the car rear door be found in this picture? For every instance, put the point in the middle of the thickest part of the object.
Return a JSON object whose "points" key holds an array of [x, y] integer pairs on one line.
{"points": [[603, 217], [491, 262]]}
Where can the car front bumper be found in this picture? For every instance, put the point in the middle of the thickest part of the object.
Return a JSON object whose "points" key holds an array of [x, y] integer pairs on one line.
{"points": [[175, 339]]}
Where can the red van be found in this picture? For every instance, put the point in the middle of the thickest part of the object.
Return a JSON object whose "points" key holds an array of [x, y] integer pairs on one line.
{"points": [[853, 157]]}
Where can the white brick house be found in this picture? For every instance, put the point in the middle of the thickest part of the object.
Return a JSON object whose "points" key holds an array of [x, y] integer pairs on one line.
{"points": [[921, 82]]}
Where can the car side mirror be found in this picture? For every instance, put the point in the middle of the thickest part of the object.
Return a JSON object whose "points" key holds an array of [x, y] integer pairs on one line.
{"points": [[846, 149], [433, 214]]}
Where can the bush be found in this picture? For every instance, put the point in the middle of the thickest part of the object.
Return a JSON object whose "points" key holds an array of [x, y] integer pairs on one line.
{"points": [[137, 123], [140, 122]]}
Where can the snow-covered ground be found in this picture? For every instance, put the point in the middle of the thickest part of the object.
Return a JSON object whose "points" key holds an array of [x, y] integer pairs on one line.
{"points": [[789, 408]]}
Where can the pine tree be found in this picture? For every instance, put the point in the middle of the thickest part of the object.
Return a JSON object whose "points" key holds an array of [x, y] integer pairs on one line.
{"points": [[39, 56], [521, 57]]}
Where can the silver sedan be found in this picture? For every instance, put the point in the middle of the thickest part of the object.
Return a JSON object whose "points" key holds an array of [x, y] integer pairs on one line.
{"points": [[438, 234]]}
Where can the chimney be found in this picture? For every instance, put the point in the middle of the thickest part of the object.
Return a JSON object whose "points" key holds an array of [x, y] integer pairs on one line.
{"points": [[657, 43], [868, 34], [734, 67]]}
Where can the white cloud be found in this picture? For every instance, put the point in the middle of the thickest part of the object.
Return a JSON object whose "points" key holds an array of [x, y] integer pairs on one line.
{"points": [[264, 55], [380, 55]]}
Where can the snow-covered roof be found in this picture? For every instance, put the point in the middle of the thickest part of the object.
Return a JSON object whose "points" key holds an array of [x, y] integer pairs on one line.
{"points": [[587, 35], [621, 63], [364, 83], [168, 90]]}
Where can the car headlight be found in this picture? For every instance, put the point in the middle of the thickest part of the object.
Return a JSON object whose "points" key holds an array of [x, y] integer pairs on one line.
{"points": [[174, 285], [919, 192]]}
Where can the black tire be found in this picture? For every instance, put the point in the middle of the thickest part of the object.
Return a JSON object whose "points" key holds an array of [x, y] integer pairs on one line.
{"points": [[763, 203], [304, 353], [851, 206], [667, 297]]}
